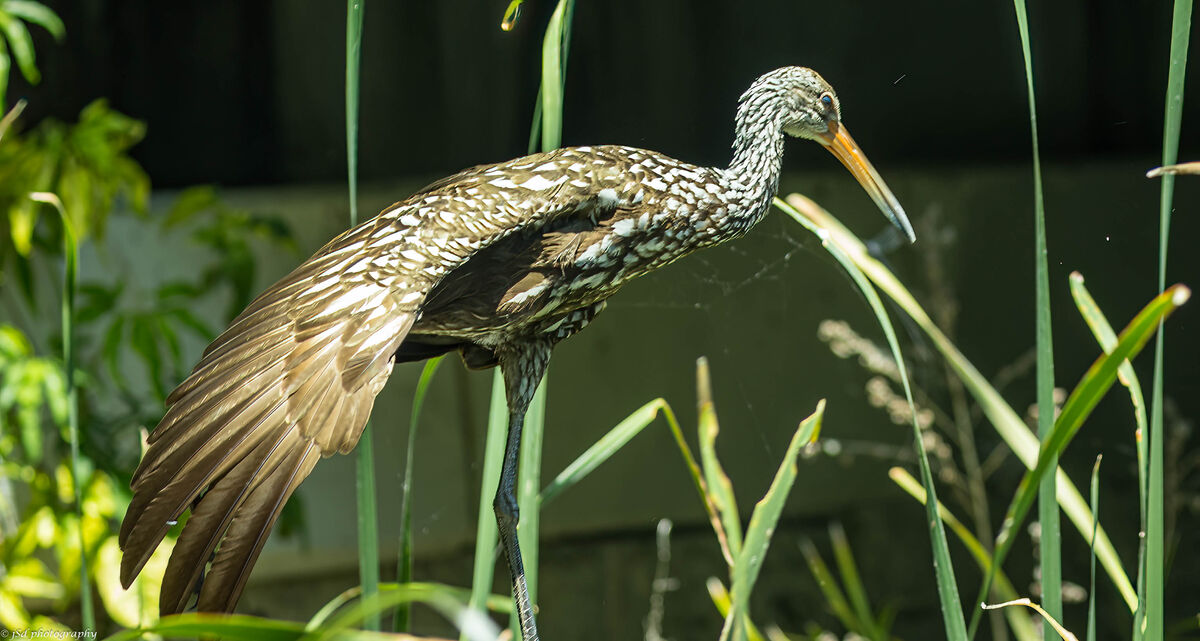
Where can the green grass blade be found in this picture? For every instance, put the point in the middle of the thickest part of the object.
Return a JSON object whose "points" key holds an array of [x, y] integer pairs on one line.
{"points": [[494, 602], [1107, 338], [368, 518], [1154, 570], [235, 627], [717, 483], [404, 566], [71, 254], [486, 535], [764, 519], [1091, 388], [1049, 543], [835, 598], [602, 450], [1091, 629], [843, 555], [720, 598], [354, 24], [474, 625], [952, 614], [1007, 423], [547, 115], [1020, 625], [554, 61]]}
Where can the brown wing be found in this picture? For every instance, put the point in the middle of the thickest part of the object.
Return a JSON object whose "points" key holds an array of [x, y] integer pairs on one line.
{"points": [[295, 376], [292, 379]]}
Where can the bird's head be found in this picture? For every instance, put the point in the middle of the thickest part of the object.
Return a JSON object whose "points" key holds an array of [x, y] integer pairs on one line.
{"points": [[801, 104]]}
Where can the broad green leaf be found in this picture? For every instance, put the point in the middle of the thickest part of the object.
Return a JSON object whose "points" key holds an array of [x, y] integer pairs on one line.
{"points": [[146, 347], [192, 322], [139, 604], [111, 348]]}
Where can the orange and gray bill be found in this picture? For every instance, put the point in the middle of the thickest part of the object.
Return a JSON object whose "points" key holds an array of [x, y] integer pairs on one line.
{"points": [[840, 144]]}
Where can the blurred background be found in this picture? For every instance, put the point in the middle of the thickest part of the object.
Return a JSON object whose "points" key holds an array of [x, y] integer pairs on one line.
{"points": [[227, 168]]}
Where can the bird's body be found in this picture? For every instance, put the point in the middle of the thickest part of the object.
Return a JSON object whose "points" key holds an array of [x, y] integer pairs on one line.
{"points": [[499, 262]]}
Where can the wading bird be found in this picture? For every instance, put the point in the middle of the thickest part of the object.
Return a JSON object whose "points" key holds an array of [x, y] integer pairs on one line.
{"points": [[499, 263]]}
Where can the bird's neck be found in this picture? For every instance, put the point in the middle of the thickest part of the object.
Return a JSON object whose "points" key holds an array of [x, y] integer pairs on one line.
{"points": [[753, 175]]}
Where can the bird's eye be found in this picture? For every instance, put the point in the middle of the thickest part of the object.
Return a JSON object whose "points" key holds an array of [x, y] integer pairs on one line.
{"points": [[827, 99]]}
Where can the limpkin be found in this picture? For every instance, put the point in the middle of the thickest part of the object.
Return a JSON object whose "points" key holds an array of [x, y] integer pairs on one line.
{"points": [[499, 262]]}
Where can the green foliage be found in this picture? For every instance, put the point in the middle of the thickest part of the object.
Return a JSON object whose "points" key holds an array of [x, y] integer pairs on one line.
{"points": [[86, 164], [41, 555], [28, 384], [231, 234], [854, 613], [15, 41]]}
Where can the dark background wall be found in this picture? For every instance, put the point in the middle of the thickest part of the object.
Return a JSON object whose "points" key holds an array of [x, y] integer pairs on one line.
{"points": [[251, 92]]}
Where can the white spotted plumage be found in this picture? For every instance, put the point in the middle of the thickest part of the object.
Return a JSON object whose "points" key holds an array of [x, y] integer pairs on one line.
{"points": [[498, 262]]}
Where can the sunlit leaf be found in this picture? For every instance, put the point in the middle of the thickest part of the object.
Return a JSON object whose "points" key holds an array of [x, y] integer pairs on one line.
{"points": [[21, 45], [38, 14]]}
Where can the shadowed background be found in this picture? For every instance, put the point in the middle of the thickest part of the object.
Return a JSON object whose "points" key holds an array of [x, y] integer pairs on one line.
{"points": [[249, 96]]}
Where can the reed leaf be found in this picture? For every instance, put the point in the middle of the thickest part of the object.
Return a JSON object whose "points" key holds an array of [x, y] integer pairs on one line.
{"points": [[486, 534], [1000, 414], [71, 256], [364, 486], [1091, 388], [1050, 541], [1003, 588], [404, 565], [951, 604], [763, 521], [1153, 567]]}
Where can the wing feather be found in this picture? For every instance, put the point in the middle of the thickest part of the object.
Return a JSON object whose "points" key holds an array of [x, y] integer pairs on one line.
{"points": [[294, 376]]}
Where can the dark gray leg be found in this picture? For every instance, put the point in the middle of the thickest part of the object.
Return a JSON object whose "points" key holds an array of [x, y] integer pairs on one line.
{"points": [[523, 369]]}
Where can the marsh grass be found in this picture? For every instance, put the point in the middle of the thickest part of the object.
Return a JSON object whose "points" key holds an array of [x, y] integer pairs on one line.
{"points": [[1153, 568], [745, 548], [364, 486], [1037, 456]]}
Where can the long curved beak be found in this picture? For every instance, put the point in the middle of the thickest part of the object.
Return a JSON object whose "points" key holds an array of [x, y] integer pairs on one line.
{"points": [[840, 144]]}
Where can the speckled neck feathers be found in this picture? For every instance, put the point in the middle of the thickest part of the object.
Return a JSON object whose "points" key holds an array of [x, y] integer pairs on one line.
{"points": [[757, 150]]}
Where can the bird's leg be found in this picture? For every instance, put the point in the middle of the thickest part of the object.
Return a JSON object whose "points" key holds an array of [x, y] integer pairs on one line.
{"points": [[522, 369]]}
